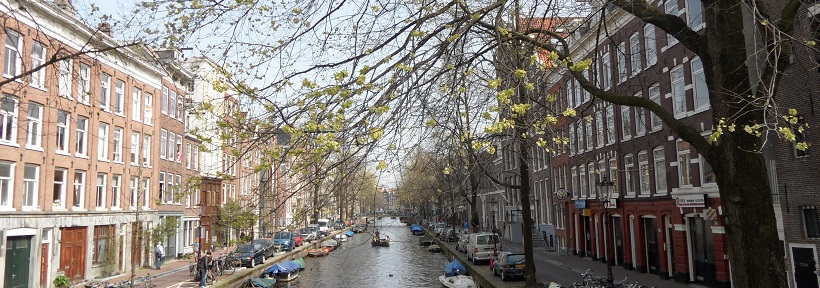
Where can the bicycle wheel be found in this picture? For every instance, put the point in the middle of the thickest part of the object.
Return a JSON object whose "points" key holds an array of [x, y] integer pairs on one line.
{"points": [[192, 269], [229, 267], [210, 279]]}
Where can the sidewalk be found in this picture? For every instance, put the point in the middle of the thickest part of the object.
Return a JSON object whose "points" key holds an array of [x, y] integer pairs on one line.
{"points": [[580, 265], [170, 266]]}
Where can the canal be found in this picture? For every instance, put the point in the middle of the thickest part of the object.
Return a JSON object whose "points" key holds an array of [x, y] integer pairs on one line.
{"points": [[357, 264]]}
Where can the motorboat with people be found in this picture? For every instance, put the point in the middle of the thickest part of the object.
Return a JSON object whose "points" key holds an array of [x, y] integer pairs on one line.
{"points": [[378, 240], [283, 271], [455, 276]]}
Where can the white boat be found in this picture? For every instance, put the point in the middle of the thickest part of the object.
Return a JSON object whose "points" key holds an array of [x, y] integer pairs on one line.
{"points": [[341, 238], [434, 248], [458, 281]]}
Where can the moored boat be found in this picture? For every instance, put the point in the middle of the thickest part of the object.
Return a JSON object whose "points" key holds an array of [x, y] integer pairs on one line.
{"points": [[331, 244], [434, 248], [458, 281], [283, 271], [426, 240], [301, 263]]}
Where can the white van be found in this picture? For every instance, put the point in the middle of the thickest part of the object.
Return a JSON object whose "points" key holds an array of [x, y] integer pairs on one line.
{"points": [[482, 246], [323, 225]]}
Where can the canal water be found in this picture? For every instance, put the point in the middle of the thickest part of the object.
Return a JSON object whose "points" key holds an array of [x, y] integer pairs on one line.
{"points": [[357, 264]]}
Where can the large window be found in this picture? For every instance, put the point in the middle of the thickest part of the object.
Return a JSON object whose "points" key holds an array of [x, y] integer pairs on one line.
{"points": [[812, 221], [146, 150], [599, 126], [571, 139], [170, 152], [179, 148], [64, 82], [8, 119], [187, 155], [640, 121], [84, 84], [81, 145], [643, 172], [589, 135], [626, 122], [146, 191], [13, 59], [606, 71], [650, 48], [134, 189], [678, 91], [592, 186], [613, 174], [35, 125], [172, 104], [572, 182], [103, 240], [136, 100], [117, 144], [635, 53], [629, 166], [610, 124], [31, 181], [149, 112], [660, 170], [119, 98], [169, 195], [102, 142], [38, 57], [623, 73], [699, 81], [694, 14], [79, 188], [6, 182], [59, 188], [655, 95], [101, 189], [164, 101], [116, 189], [707, 174], [135, 147], [684, 170], [163, 137], [62, 131], [582, 180], [180, 107], [162, 189], [105, 91]]}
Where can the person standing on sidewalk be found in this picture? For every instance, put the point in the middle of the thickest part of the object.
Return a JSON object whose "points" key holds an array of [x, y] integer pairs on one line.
{"points": [[204, 265], [159, 252]]}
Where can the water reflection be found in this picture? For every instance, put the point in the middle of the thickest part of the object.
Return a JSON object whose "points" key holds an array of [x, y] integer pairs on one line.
{"points": [[356, 264]]}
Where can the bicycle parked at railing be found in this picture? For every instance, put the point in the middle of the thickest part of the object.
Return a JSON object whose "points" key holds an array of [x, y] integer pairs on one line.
{"points": [[592, 280]]}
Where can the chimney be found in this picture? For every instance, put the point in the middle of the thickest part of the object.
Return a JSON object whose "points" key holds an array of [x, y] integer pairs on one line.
{"points": [[66, 6], [105, 28]]}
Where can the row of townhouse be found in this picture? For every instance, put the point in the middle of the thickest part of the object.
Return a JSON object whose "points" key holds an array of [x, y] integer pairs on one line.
{"points": [[666, 216], [101, 148]]}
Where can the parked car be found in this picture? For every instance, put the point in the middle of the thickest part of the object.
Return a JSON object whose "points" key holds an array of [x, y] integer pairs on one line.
{"points": [[461, 245], [250, 254], [298, 240], [284, 240], [508, 265], [267, 245], [440, 227], [448, 235], [482, 246]]}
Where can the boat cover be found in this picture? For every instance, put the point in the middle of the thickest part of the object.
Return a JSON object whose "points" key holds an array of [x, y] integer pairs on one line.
{"points": [[283, 267], [416, 228], [454, 268], [330, 243], [301, 263], [263, 282], [350, 233]]}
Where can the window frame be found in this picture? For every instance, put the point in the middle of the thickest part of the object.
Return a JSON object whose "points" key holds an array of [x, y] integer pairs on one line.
{"points": [[661, 186], [644, 187], [684, 180], [623, 69], [63, 189], [105, 92], [635, 53], [65, 78], [119, 98], [16, 57], [8, 119], [677, 85], [37, 77], [163, 136], [626, 123], [650, 45], [116, 189], [34, 140], [146, 150], [31, 187], [119, 132], [79, 189], [136, 104], [629, 177], [81, 137], [84, 84], [699, 86], [655, 122], [101, 194], [102, 142], [7, 186]]}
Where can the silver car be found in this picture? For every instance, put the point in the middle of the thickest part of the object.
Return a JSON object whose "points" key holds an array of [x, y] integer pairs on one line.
{"points": [[482, 246], [461, 245]]}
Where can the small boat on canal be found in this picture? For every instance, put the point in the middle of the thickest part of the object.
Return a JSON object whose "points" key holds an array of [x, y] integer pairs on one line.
{"points": [[382, 242], [426, 240], [434, 248], [255, 282], [416, 229], [319, 252], [283, 271], [301, 262], [330, 244], [455, 276]]}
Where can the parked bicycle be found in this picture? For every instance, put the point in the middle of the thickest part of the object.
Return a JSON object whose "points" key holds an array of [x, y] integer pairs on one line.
{"points": [[592, 280]]}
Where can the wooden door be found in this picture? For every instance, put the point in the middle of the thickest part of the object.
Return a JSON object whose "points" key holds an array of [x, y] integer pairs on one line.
{"points": [[72, 252], [18, 259], [805, 268], [44, 265]]}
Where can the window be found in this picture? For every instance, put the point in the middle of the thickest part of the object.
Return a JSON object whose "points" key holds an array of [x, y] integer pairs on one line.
{"points": [[684, 172], [35, 125], [79, 188], [62, 131], [572, 139], [136, 98], [582, 181], [117, 144], [172, 104], [179, 107], [164, 101], [572, 183], [103, 236], [699, 80], [671, 6], [134, 195], [707, 174], [179, 148], [635, 53], [626, 122], [8, 120], [169, 194], [613, 174], [187, 156], [38, 57], [102, 142], [6, 182], [163, 136], [58, 192], [85, 84], [655, 95], [13, 59], [116, 182], [195, 159], [162, 189], [146, 150], [577, 94], [592, 187], [610, 124], [694, 13], [177, 189], [170, 153], [101, 193], [146, 192], [812, 221], [81, 147], [105, 91], [650, 45], [606, 71], [640, 119], [643, 172], [589, 134], [135, 147], [119, 98], [599, 127], [629, 175], [31, 180], [623, 73], [149, 112], [678, 91], [660, 170], [64, 82]]}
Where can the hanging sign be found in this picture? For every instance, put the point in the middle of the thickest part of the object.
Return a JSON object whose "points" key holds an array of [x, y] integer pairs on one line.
{"points": [[581, 204], [691, 201], [587, 212], [562, 194]]}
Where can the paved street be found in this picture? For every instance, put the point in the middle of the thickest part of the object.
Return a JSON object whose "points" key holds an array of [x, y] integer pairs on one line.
{"points": [[174, 273]]}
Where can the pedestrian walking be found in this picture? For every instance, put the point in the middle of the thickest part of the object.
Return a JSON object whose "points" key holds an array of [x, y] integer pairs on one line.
{"points": [[159, 252], [204, 265]]}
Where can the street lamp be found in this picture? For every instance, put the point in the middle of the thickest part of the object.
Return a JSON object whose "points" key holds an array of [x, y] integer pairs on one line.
{"points": [[605, 199], [494, 205]]}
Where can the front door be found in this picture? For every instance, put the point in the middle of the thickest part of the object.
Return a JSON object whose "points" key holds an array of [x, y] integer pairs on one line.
{"points": [[650, 228], [72, 252], [587, 237], [44, 265], [18, 259], [805, 267], [703, 250], [619, 240]]}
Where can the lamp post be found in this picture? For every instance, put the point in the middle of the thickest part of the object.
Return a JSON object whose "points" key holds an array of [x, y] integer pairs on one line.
{"points": [[494, 205], [604, 197]]}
